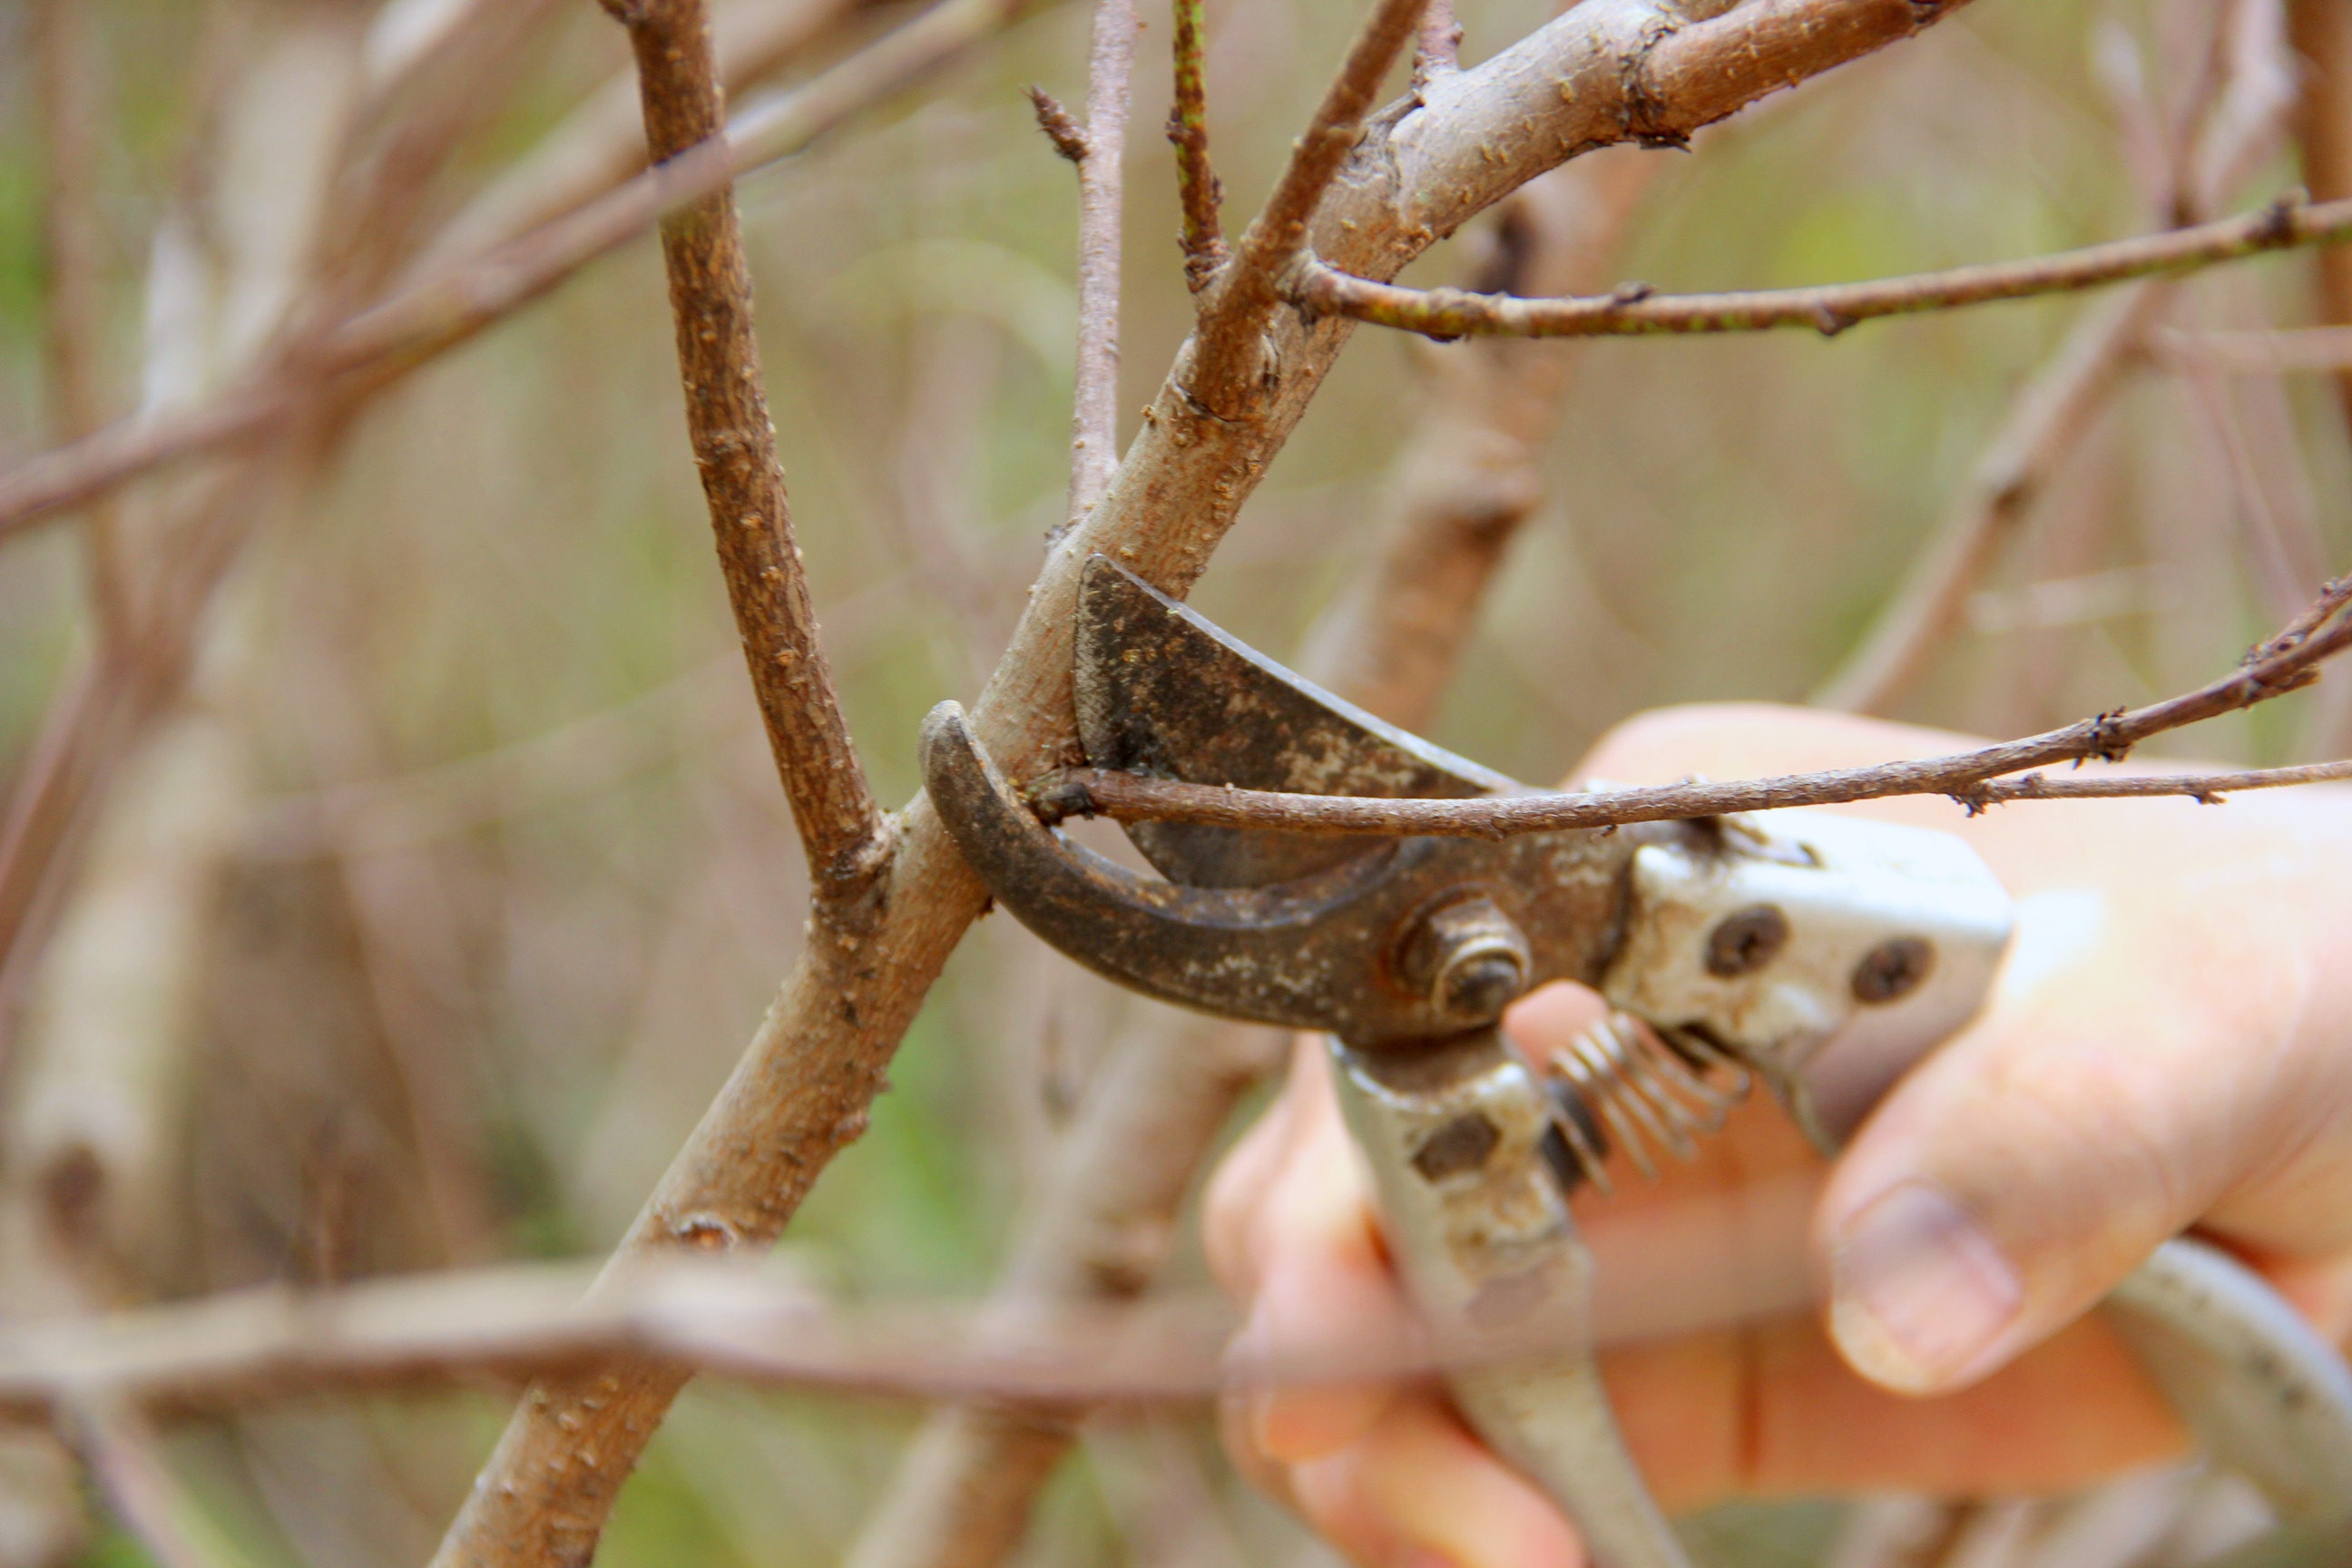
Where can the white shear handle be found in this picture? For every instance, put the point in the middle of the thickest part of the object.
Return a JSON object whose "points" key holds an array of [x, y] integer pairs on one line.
{"points": [[2264, 1394]]}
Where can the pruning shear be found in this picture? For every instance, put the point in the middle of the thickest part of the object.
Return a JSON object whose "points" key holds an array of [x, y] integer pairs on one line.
{"points": [[1822, 956]]}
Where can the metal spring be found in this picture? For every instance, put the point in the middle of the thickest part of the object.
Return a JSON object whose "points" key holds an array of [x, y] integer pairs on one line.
{"points": [[1620, 1087]]}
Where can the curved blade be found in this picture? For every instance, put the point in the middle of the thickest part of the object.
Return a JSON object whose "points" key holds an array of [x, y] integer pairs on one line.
{"points": [[1161, 690], [1309, 953]]}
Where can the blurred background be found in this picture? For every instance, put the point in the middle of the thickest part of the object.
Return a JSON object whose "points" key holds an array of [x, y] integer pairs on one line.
{"points": [[396, 867]]}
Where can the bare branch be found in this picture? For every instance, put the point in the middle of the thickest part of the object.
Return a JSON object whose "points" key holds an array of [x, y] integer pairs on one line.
{"points": [[72, 247], [2049, 414], [1438, 51], [2255, 352], [601, 143], [1094, 405], [2321, 34], [425, 320], [1634, 310], [1197, 187], [1472, 473], [760, 1326], [2288, 662], [842, 828], [2044, 425], [2207, 788], [121, 1453], [1596, 75], [1228, 355]]}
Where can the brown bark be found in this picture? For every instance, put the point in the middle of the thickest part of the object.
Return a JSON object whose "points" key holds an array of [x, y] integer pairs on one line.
{"points": [[2321, 33]]}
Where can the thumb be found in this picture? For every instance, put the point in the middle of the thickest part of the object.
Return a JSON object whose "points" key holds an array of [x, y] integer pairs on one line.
{"points": [[2128, 1075]]}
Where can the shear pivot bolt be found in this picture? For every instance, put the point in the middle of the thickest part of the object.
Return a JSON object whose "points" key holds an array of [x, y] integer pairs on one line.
{"points": [[1745, 941], [1893, 969], [1470, 958]]}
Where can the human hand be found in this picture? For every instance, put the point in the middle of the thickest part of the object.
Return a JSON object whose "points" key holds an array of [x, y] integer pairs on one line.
{"points": [[2163, 1050]]}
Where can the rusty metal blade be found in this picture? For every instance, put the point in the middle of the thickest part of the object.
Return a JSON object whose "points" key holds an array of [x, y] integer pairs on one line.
{"points": [[1161, 690]]}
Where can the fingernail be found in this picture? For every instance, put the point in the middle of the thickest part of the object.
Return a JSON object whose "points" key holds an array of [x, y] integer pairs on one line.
{"points": [[1918, 1294]]}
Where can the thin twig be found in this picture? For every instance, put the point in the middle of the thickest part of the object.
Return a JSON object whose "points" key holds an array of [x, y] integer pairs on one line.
{"points": [[2285, 663], [1093, 404], [2256, 351], [426, 319], [1198, 193], [2207, 788], [1228, 354], [1438, 51], [1634, 310]]}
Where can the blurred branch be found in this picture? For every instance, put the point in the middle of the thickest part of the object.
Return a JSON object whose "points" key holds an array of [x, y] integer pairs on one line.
{"points": [[2044, 425], [1101, 1222], [1198, 191], [1634, 312], [1471, 475], [120, 1451], [419, 322], [761, 1326], [73, 249], [2321, 34], [842, 827], [1104, 1214], [1594, 77], [2049, 415], [1228, 350], [2287, 662], [602, 143], [2257, 351], [1094, 406]]}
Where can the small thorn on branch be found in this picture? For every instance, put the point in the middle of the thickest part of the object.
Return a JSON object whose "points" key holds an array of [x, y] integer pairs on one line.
{"points": [[1070, 138]]}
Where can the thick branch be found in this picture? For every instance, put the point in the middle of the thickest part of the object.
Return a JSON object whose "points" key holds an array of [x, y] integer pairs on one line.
{"points": [[1634, 312], [2286, 663], [1197, 190], [1094, 403], [2321, 33], [842, 828], [1228, 351]]}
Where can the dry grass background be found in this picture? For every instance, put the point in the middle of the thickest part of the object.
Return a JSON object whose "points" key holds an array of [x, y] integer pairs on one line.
{"points": [[503, 879]]}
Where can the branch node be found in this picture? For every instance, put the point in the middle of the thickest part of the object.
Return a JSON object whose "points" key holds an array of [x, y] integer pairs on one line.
{"points": [[1068, 138]]}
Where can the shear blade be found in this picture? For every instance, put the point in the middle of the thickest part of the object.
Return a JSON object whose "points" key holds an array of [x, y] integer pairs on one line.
{"points": [[1159, 691]]}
